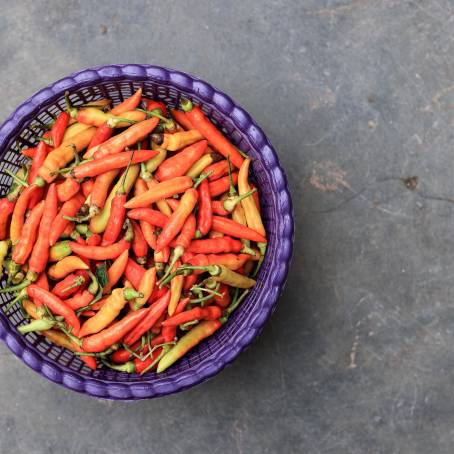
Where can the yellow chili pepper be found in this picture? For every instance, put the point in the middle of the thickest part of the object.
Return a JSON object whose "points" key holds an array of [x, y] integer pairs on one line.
{"points": [[73, 130], [109, 311], [173, 142], [198, 167], [146, 287], [4, 246], [153, 163], [176, 286], [66, 266]]}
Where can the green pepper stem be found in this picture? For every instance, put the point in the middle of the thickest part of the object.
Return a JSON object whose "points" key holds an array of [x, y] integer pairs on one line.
{"points": [[69, 108], [186, 105], [202, 177], [16, 178], [232, 190], [41, 324], [232, 201], [235, 303], [15, 288], [128, 367]]}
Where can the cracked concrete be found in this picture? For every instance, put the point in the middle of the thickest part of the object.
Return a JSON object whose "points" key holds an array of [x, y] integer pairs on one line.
{"points": [[358, 356]]}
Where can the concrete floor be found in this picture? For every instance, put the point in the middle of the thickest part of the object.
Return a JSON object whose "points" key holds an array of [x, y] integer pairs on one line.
{"points": [[357, 96]]}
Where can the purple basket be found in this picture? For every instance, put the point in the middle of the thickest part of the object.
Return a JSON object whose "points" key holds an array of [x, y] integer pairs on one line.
{"points": [[118, 82]]}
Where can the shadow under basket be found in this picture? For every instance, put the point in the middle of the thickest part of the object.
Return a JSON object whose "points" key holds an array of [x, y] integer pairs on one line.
{"points": [[118, 82]]}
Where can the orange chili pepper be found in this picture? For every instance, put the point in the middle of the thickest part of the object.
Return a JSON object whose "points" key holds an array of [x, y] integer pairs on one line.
{"points": [[146, 286], [139, 244], [58, 128], [217, 170], [68, 189], [66, 266], [109, 252], [232, 228], [222, 185], [182, 119], [178, 140], [176, 286], [162, 204], [116, 270], [128, 104], [178, 218]]}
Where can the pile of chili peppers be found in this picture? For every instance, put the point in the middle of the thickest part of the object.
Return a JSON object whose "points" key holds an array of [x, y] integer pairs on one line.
{"points": [[133, 233]]}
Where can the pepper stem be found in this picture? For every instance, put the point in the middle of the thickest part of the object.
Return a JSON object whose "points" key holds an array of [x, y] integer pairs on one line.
{"points": [[79, 281], [202, 177], [231, 202], [177, 253], [235, 303], [186, 105], [232, 190], [262, 249], [69, 108], [128, 367], [130, 294], [16, 178], [41, 324], [15, 288], [121, 189], [113, 122]]}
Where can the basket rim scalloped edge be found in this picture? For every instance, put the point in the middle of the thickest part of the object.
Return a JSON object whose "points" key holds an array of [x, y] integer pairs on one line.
{"points": [[208, 367]]}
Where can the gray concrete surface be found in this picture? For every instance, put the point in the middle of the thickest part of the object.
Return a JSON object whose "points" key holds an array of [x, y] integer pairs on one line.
{"points": [[357, 96]]}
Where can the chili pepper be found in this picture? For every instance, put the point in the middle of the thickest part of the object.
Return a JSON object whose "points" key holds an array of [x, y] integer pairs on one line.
{"points": [[68, 189], [59, 251], [256, 197], [183, 241], [181, 162], [79, 300], [57, 337], [116, 270], [129, 137], [4, 246], [128, 104], [149, 215], [230, 227], [69, 230], [122, 354], [29, 152], [182, 119], [218, 169], [17, 220], [189, 281], [87, 187], [178, 140], [71, 284], [147, 228], [58, 128], [55, 304], [69, 209], [99, 222], [98, 166], [95, 117], [152, 105], [40, 254], [161, 191], [211, 133], [176, 286], [102, 133], [217, 207], [153, 314], [134, 273], [162, 204], [179, 216], [109, 252], [73, 130], [101, 341], [218, 245], [138, 365], [188, 341], [199, 166], [109, 311], [222, 185], [251, 211], [102, 103], [155, 162], [223, 300], [139, 245], [64, 154], [42, 324], [28, 236], [38, 160], [146, 286], [197, 313], [205, 213], [94, 239], [161, 258], [99, 191], [66, 266], [231, 261]]}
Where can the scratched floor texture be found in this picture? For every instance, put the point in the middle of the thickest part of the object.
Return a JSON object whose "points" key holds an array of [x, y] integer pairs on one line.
{"points": [[357, 97]]}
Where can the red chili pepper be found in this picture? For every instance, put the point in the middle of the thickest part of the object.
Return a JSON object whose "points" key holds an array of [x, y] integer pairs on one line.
{"points": [[205, 213], [100, 190], [107, 337], [178, 218], [218, 208], [211, 133], [155, 312], [109, 252], [114, 161], [94, 240], [182, 119], [38, 160], [58, 128], [197, 313], [42, 281], [134, 273], [189, 281], [217, 170], [18, 217], [6, 209], [68, 189], [29, 232], [216, 245], [232, 228], [161, 258], [224, 300], [79, 300], [87, 187], [40, 254], [71, 284], [56, 305], [149, 215], [29, 152], [222, 185], [102, 133], [181, 162], [153, 105], [139, 245], [256, 197], [69, 209]]}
